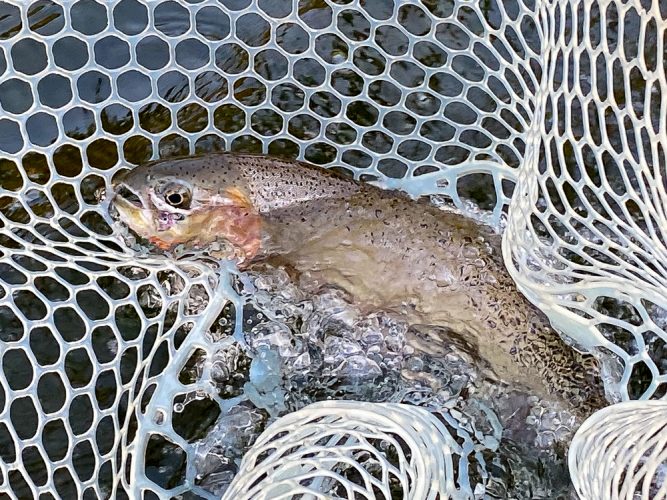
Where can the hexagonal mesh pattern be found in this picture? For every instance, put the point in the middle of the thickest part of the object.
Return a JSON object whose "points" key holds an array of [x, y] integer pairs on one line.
{"points": [[586, 238], [420, 95]]}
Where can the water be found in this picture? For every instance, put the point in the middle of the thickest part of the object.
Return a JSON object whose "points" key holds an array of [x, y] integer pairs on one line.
{"points": [[302, 347]]}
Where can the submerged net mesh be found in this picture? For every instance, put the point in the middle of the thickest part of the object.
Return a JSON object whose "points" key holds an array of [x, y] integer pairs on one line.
{"points": [[447, 97]]}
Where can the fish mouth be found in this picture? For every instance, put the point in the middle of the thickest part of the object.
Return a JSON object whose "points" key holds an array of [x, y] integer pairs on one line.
{"points": [[127, 204], [124, 193], [129, 208]]}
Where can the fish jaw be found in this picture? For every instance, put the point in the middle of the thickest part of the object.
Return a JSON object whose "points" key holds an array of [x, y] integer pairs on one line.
{"points": [[236, 226], [140, 220]]}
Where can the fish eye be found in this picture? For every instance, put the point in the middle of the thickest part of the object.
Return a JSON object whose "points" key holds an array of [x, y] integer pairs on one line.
{"points": [[177, 196], [175, 199]]}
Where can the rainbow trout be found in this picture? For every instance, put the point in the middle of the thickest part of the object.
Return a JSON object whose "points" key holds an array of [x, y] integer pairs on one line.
{"points": [[385, 249]]}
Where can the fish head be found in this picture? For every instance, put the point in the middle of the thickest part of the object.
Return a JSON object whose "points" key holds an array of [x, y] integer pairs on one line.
{"points": [[179, 207]]}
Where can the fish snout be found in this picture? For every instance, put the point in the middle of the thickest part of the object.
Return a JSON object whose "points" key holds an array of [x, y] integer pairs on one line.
{"points": [[127, 205], [122, 193]]}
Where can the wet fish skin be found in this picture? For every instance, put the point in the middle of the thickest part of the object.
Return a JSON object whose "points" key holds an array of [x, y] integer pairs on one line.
{"points": [[230, 193], [386, 250]]}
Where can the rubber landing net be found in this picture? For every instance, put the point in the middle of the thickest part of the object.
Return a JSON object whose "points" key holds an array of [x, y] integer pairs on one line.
{"points": [[556, 106]]}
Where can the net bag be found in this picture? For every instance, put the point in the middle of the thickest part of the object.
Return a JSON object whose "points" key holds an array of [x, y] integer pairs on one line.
{"points": [[586, 236], [620, 452], [554, 106], [315, 451]]}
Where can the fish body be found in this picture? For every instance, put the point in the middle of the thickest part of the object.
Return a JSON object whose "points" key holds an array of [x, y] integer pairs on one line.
{"points": [[385, 249]]}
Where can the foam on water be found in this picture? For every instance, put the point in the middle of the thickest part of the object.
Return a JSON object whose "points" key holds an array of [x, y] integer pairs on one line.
{"points": [[302, 345]]}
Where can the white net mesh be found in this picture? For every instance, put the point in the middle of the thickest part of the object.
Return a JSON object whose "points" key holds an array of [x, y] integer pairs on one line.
{"points": [[423, 96], [586, 238], [340, 449], [621, 452]]}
